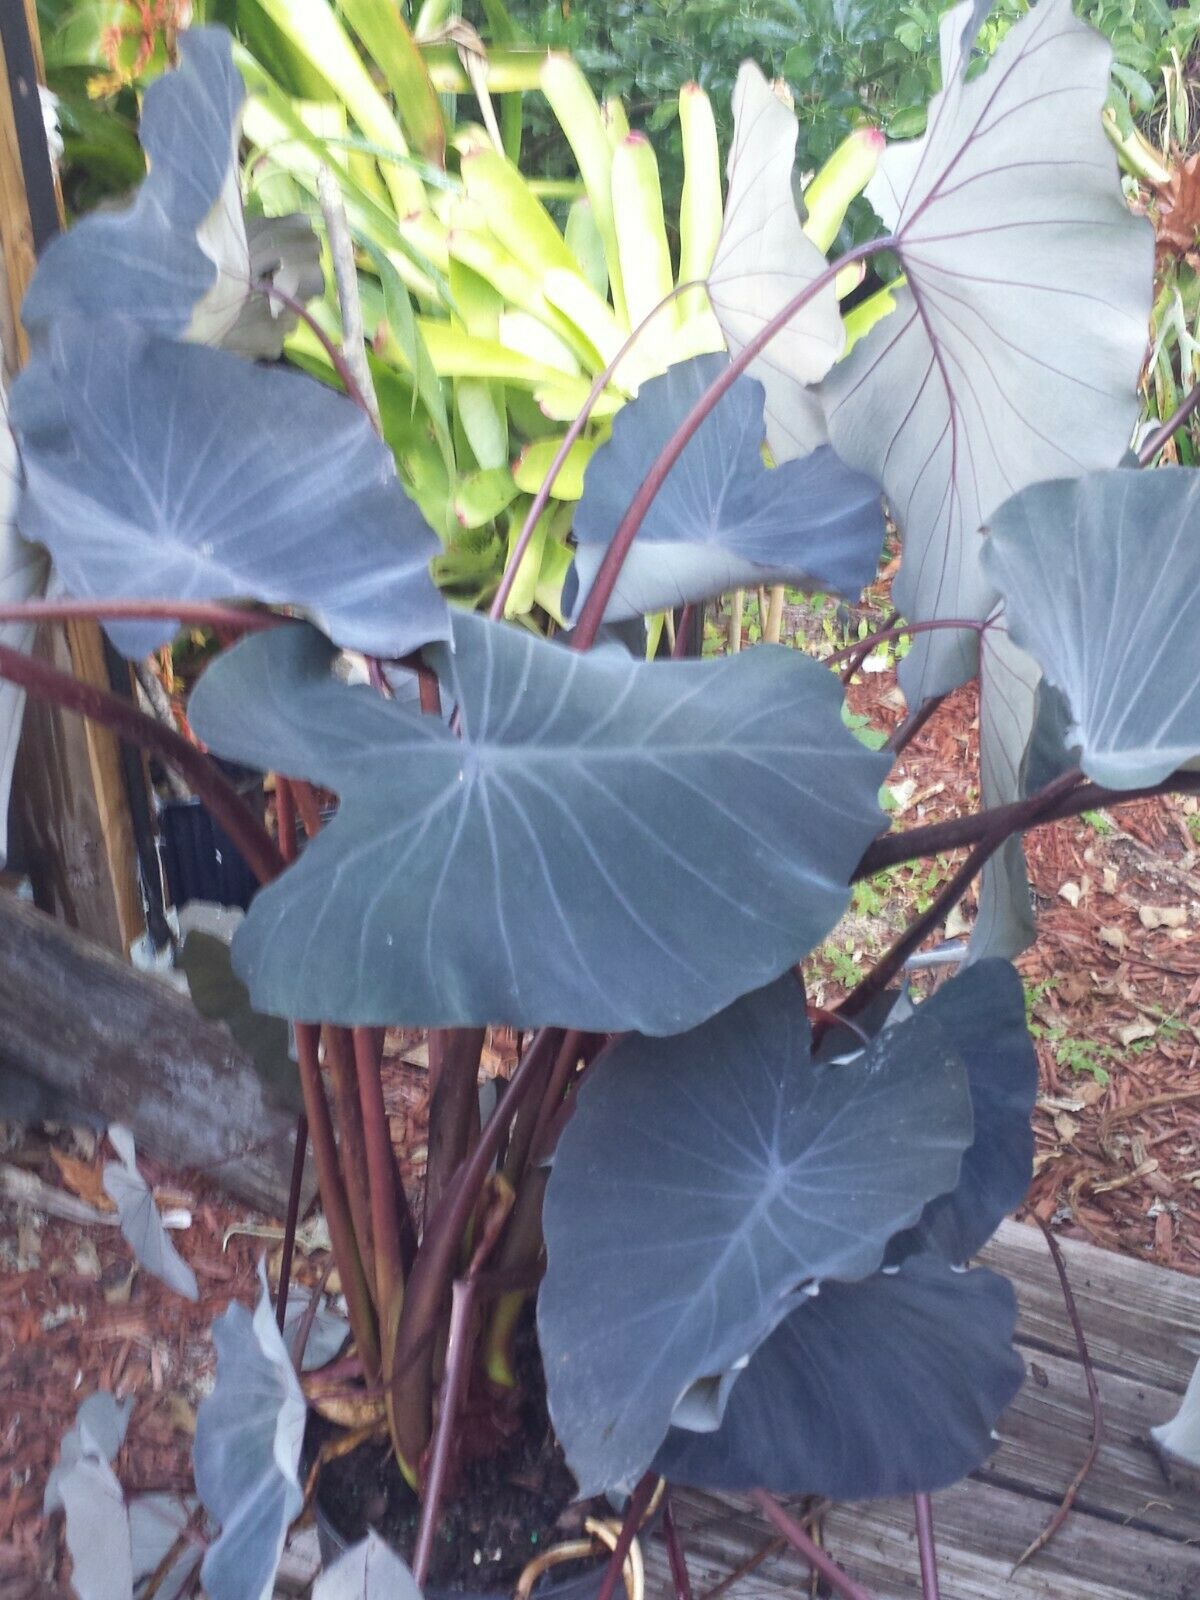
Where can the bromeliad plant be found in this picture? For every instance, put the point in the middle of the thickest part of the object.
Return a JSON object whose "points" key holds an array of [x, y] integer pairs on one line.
{"points": [[487, 322], [751, 1215]]}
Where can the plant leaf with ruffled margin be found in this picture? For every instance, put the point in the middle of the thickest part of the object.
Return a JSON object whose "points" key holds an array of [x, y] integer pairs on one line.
{"points": [[1092, 572], [247, 1453], [722, 520], [1014, 352], [982, 1012], [763, 260], [889, 1386], [579, 856], [702, 1180], [179, 260], [162, 469]]}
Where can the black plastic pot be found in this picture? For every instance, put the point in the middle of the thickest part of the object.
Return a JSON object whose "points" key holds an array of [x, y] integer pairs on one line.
{"points": [[200, 860], [579, 1583]]}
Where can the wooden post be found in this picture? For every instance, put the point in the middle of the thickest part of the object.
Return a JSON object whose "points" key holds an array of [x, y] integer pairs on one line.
{"points": [[70, 803]]}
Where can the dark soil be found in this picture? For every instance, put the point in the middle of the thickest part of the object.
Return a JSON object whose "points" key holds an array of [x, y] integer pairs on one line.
{"points": [[506, 1506]]}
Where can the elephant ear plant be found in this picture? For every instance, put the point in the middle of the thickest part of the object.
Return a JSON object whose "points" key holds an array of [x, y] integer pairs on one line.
{"points": [[743, 1221]]}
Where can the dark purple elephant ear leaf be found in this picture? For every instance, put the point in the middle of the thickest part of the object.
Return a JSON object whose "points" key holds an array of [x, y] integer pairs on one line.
{"points": [[170, 262], [888, 1386], [1091, 571], [156, 468], [578, 856], [1014, 350], [183, 260], [722, 520], [702, 1180]]}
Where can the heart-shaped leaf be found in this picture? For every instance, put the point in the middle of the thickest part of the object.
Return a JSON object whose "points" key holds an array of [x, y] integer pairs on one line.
{"points": [[1015, 347], [283, 251], [764, 259], [84, 1486], [180, 261], [722, 519], [888, 1386], [580, 855], [701, 1181], [163, 469], [981, 1011], [1092, 571], [248, 1436]]}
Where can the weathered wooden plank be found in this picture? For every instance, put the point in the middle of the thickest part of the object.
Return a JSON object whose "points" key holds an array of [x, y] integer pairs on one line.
{"points": [[981, 1530], [1129, 1537], [128, 1047], [1045, 1435], [1141, 1320]]}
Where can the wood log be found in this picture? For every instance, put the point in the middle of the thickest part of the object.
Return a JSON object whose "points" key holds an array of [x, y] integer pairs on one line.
{"points": [[128, 1048]]}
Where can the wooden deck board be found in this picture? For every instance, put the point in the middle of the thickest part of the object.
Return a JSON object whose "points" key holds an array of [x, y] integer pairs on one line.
{"points": [[1130, 1535]]}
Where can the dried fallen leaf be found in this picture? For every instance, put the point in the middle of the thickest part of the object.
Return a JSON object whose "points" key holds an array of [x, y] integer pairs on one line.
{"points": [[1113, 937], [87, 1260], [1111, 880], [82, 1179], [1153, 917], [1053, 1102], [1066, 1126], [1164, 1234], [903, 792], [1133, 1031], [117, 1282], [1178, 211], [1069, 892], [1074, 988], [346, 1407]]}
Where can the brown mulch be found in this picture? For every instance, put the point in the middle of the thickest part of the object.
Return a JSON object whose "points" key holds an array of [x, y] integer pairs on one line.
{"points": [[73, 1320], [1115, 1003]]}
